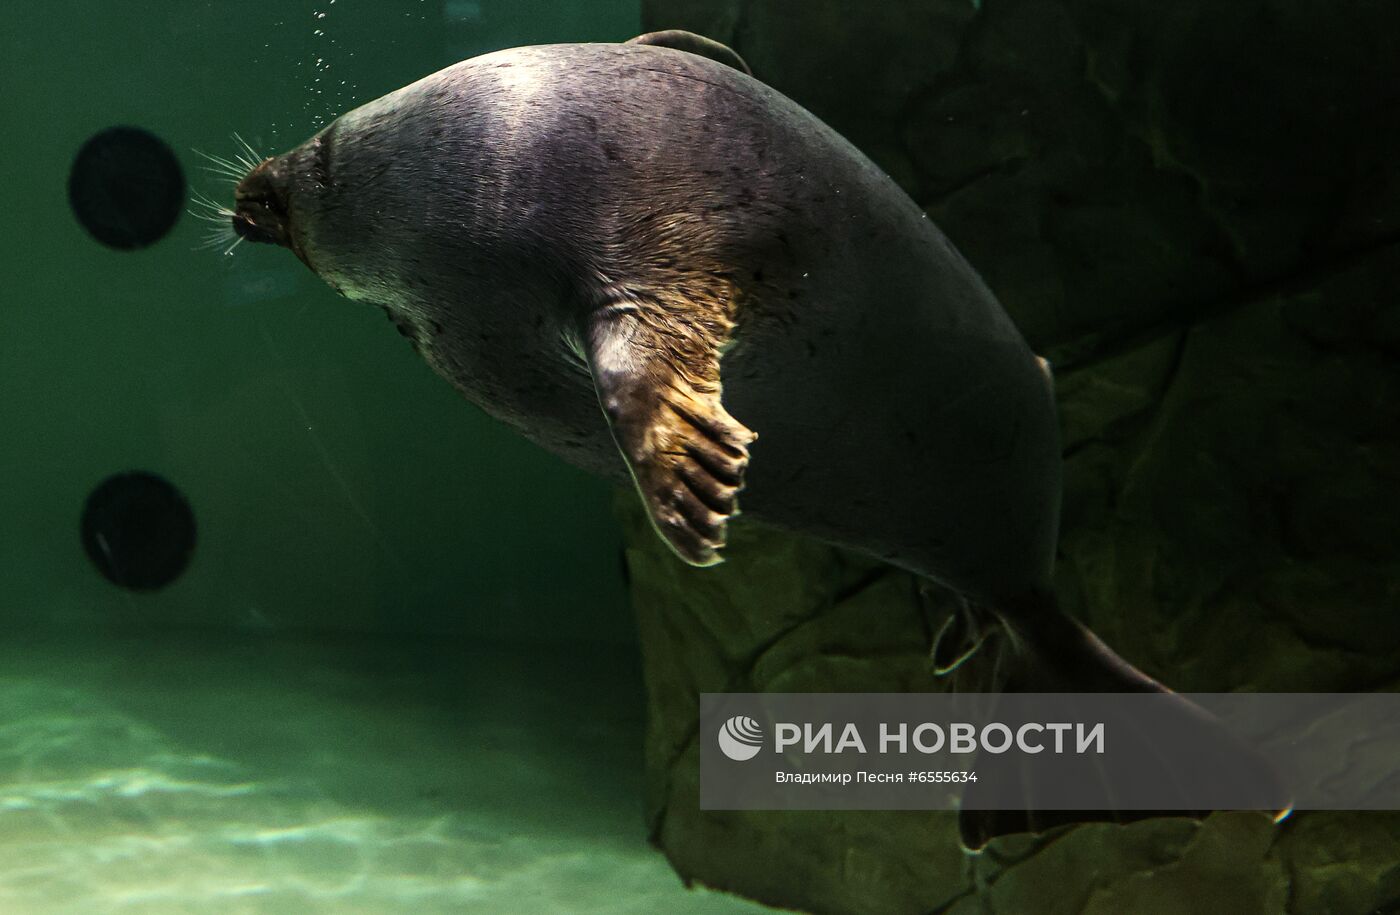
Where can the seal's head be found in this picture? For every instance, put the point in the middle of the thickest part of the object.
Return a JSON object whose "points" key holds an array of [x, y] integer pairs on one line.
{"points": [[261, 212], [293, 201]]}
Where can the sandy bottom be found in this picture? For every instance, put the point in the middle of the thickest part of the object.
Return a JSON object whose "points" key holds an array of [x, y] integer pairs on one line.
{"points": [[229, 775]]}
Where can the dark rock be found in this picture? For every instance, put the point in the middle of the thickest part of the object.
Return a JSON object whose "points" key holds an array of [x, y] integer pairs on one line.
{"points": [[1194, 211]]}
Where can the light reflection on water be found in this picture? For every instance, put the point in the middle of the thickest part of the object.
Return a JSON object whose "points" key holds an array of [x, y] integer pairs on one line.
{"points": [[183, 776]]}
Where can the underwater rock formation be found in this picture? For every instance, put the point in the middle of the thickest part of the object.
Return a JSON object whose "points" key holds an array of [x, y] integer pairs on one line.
{"points": [[1194, 211]]}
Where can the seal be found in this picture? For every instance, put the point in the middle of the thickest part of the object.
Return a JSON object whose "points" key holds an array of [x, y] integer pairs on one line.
{"points": [[658, 267], [566, 226]]}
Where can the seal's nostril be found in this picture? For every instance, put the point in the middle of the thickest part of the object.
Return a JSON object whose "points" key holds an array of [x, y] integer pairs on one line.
{"points": [[241, 226], [269, 230]]}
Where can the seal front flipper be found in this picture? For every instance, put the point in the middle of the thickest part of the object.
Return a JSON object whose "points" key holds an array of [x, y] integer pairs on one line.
{"points": [[691, 43], [659, 387]]}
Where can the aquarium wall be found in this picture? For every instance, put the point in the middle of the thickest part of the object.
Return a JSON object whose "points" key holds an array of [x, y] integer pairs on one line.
{"points": [[334, 483]]}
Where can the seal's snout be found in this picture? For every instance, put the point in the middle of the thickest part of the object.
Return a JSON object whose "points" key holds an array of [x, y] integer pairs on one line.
{"points": [[260, 208], [257, 228]]}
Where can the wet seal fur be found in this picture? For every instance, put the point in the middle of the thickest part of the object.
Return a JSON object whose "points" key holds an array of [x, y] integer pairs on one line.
{"points": [[751, 301]]}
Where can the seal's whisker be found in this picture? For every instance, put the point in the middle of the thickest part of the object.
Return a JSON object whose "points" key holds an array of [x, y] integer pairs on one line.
{"points": [[218, 234], [256, 156], [222, 172], [243, 159], [215, 238], [222, 160], [215, 166], [218, 217], [222, 177], [207, 206], [202, 203], [257, 153], [203, 207], [223, 233], [217, 160], [229, 250], [233, 167], [203, 199]]}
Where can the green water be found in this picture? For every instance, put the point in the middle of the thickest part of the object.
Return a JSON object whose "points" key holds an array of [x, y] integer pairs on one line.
{"points": [[314, 717], [337, 482]]}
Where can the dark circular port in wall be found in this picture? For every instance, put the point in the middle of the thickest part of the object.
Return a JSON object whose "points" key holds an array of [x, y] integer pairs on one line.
{"points": [[138, 530], [126, 187]]}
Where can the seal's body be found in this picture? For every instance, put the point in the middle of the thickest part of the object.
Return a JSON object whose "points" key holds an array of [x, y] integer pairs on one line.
{"points": [[495, 206], [644, 260]]}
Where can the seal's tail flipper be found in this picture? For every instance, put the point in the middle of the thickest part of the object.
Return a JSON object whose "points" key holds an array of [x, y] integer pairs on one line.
{"points": [[1060, 655], [691, 43]]}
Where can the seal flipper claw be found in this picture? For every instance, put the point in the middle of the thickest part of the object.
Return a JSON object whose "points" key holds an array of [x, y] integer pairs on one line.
{"points": [[687, 455], [959, 638]]}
